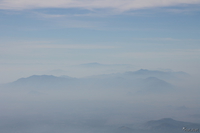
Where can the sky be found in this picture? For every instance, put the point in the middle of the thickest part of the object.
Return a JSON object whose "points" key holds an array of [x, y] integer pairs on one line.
{"points": [[39, 36]]}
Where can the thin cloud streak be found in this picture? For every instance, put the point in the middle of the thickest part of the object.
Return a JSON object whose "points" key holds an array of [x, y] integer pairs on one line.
{"points": [[73, 47], [119, 5], [187, 54], [23, 48]]}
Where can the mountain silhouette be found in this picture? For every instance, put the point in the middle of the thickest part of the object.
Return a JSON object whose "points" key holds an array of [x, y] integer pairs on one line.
{"points": [[155, 85], [169, 125], [158, 74], [41, 81]]}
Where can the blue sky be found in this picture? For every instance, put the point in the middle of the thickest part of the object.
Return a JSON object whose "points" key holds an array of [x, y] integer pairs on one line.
{"points": [[42, 36]]}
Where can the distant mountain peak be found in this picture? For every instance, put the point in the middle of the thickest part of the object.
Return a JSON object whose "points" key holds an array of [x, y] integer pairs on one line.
{"points": [[166, 122], [42, 82], [167, 119], [146, 71]]}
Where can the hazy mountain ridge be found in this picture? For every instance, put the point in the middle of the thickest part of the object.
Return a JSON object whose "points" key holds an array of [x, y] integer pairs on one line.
{"points": [[155, 85], [42, 82], [42, 125], [109, 103], [169, 124], [121, 81], [162, 125], [165, 75]]}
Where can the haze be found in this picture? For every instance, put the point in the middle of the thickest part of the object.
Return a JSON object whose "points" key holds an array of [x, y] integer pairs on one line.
{"points": [[99, 66]]}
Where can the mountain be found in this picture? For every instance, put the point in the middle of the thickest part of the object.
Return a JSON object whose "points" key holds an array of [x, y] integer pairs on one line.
{"points": [[42, 81], [165, 125], [169, 125], [121, 81], [124, 129], [144, 73], [155, 85]]}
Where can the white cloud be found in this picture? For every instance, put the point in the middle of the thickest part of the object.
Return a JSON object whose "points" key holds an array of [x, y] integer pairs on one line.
{"points": [[120, 5]]}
